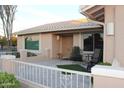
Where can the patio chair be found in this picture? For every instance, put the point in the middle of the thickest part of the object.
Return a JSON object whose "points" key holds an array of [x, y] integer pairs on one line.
{"points": [[95, 59]]}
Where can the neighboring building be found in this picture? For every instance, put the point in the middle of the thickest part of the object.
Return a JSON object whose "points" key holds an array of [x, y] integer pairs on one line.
{"points": [[58, 38], [112, 18]]}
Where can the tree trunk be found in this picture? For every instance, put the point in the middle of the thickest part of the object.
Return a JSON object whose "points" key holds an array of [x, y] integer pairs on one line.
{"points": [[9, 44]]}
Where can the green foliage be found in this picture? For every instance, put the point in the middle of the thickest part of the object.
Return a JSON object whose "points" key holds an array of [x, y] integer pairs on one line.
{"points": [[30, 54], [104, 63], [8, 81], [14, 41], [17, 55], [75, 55], [3, 41]]}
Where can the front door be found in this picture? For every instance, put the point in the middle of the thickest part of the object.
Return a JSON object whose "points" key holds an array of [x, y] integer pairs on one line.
{"points": [[67, 44]]}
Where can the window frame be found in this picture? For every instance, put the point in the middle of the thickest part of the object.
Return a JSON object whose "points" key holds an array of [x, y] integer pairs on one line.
{"points": [[93, 33]]}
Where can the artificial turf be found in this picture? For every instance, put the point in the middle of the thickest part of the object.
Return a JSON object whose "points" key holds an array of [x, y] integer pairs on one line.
{"points": [[75, 67]]}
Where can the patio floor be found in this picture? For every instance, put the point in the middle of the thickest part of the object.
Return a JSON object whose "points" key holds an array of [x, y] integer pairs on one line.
{"points": [[55, 62]]}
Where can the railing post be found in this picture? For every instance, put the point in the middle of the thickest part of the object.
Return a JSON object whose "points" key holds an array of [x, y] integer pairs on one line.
{"points": [[9, 67]]}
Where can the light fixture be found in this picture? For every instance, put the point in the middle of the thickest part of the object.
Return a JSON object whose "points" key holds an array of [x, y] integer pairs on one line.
{"points": [[110, 28]]}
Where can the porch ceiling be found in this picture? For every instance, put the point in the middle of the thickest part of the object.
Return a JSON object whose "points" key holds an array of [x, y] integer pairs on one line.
{"points": [[95, 12]]}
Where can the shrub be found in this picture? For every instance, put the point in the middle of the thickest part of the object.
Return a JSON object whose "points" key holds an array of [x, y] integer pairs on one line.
{"points": [[8, 81], [75, 55], [17, 55], [104, 63], [30, 54]]}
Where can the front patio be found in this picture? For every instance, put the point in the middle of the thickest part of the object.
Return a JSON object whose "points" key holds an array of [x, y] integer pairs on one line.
{"points": [[46, 74]]}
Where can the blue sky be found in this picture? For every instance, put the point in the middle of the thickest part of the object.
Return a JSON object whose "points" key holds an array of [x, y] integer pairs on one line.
{"points": [[33, 15]]}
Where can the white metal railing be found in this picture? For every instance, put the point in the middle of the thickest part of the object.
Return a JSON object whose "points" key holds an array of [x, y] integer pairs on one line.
{"points": [[45, 76]]}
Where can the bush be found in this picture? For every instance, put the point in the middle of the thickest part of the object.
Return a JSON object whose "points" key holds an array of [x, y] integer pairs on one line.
{"points": [[104, 63], [30, 54], [75, 55], [17, 55], [8, 81]]}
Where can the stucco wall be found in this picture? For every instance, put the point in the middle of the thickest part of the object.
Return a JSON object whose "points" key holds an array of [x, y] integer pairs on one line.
{"points": [[56, 46], [114, 47], [77, 40], [108, 39], [119, 34], [46, 44], [107, 82], [107, 76], [19, 42]]}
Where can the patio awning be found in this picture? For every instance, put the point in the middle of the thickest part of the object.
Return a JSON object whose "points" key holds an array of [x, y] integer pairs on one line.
{"points": [[94, 12]]}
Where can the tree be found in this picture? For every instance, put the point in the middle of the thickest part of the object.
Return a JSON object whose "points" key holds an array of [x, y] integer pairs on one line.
{"points": [[14, 41], [3, 41], [7, 13]]}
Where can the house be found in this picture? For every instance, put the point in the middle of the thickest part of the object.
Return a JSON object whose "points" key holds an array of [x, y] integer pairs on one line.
{"points": [[112, 19], [57, 39]]}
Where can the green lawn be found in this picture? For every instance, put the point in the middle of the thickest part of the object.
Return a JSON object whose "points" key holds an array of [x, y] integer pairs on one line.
{"points": [[75, 67], [105, 63]]}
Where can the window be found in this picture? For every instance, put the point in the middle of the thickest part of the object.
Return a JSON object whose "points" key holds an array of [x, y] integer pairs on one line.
{"points": [[98, 40], [92, 41], [31, 44], [88, 42]]}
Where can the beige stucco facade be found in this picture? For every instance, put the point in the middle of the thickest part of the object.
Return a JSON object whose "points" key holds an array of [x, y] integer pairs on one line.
{"points": [[49, 44], [113, 44], [45, 44], [20, 42], [53, 45]]}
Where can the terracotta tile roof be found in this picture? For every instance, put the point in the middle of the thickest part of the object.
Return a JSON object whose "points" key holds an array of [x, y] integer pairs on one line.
{"points": [[59, 26]]}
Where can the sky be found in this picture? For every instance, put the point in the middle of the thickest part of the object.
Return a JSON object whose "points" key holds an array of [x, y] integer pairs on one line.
{"points": [[28, 16]]}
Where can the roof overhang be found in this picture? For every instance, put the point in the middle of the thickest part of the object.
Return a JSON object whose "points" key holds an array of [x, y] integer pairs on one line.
{"points": [[60, 27], [93, 12]]}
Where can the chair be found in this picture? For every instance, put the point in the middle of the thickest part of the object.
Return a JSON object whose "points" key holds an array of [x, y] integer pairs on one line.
{"points": [[95, 59]]}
